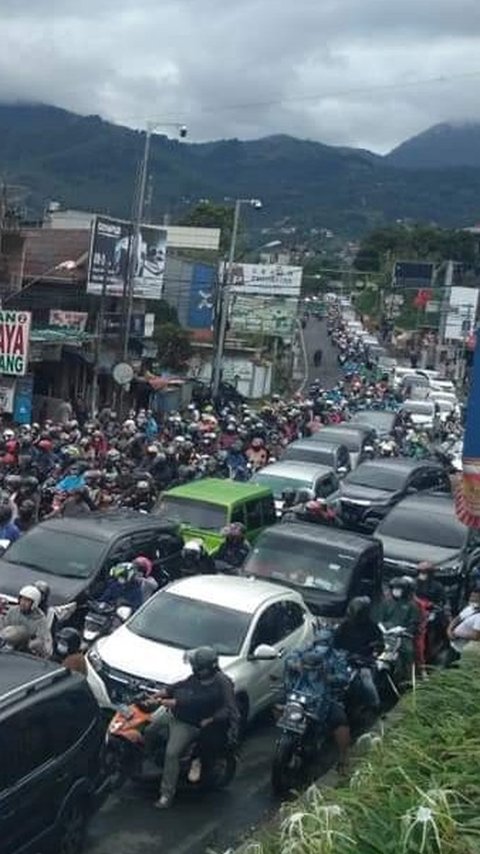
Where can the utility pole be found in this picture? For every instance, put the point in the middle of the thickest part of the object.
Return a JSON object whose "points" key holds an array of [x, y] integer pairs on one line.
{"points": [[138, 207], [98, 341], [223, 296]]}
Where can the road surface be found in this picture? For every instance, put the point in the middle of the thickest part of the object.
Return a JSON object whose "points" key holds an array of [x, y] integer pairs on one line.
{"points": [[316, 338]]}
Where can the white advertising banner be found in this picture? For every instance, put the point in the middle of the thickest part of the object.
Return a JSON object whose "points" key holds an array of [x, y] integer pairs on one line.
{"points": [[270, 280], [461, 313]]}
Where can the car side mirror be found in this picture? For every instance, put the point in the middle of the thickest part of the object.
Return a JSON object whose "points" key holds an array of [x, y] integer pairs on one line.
{"points": [[412, 490], [264, 652], [341, 471]]}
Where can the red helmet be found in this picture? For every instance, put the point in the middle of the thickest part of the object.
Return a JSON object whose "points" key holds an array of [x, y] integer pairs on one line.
{"points": [[144, 565], [45, 445]]}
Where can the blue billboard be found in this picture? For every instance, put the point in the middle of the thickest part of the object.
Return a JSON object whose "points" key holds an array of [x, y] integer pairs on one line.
{"points": [[202, 289]]}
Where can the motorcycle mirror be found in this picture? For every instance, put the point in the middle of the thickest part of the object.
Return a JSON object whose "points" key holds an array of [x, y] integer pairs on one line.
{"points": [[123, 612]]}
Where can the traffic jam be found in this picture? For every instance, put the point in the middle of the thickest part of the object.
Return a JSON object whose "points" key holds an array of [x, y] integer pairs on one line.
{"points": [[166, 585]]}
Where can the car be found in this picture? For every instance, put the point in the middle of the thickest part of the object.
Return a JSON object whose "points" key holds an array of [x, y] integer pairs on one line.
{"points": [[74, 555], [291, 474], [369, 492], [326, 565], [425, 527], [359, 439], [251, 624], [421, 412], [204, 507], [311, 450], [382, 422], [51, 738]]}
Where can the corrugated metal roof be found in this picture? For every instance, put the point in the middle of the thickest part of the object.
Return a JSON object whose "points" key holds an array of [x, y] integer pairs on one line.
{"points": [[46, 248]]}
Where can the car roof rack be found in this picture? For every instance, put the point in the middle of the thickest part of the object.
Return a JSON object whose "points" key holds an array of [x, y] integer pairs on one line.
{"points": [[34, 685]]}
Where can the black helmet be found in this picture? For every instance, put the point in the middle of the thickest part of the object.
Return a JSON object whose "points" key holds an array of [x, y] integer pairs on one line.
{"points": [[15, 638], [358, 607], [288, 497], [204, 662], [67, 642], [303, 495], [403, 583]]}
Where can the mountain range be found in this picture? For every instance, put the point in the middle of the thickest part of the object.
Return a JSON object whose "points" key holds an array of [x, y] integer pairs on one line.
{"points": [[47, 153]]}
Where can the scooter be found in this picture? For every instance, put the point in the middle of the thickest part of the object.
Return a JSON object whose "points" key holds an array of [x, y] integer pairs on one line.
{"points": [[125, 750], [101, 619]]}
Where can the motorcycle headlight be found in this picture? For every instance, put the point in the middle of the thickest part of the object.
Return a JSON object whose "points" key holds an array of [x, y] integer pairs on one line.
{"points": [[95, 659], [295, 716]]}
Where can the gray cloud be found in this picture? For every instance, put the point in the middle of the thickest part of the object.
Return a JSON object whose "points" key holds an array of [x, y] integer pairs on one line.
{"points": [[341, 71]]}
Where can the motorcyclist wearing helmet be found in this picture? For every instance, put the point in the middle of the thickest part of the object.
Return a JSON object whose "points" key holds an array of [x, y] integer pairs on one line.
{"points": [[185, 709], [360, 637], [399, 609], [235, 548], [256, 453], [67, 650], [427, 587], [29, 615], [196, 560], [123, 586], [144, 566], [322, 671]]}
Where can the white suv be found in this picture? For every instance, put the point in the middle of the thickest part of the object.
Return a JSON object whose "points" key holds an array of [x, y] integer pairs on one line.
{"points": [[251, 623]]}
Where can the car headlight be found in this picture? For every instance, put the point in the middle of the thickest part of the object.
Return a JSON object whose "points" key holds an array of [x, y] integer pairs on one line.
{"points": [[454, 567], [95, 659]]}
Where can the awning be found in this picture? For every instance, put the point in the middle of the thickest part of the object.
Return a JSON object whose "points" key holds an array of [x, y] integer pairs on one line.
{"points": [[50, 335]]}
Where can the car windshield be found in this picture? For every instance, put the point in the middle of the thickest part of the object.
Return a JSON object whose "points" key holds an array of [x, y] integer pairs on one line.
{"points": [[303, 564], [197, 514], [424, 527], [279, 483], [369, 475], [418, 407], [189, 623], [311, 455], [56, 553]]}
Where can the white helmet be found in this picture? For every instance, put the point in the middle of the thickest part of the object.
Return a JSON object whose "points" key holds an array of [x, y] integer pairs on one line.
{"points": [[31, 592]]}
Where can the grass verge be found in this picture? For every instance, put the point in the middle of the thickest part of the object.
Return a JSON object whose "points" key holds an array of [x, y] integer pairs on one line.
{"points": [[416, 792]]}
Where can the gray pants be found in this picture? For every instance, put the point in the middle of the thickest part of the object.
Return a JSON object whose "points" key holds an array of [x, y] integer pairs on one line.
{"points": [[165, 725]]}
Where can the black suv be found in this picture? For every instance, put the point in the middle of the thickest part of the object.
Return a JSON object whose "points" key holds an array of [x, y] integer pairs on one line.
{"points": [[74, 555], [51, 738]]}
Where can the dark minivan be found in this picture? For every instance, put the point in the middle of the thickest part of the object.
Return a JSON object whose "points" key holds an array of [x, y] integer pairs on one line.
{"points": [[329, 454], [327, 566], [51, 738]]}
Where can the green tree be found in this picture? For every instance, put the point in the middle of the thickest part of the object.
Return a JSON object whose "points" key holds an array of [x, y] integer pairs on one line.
{"points": [[174, 346], [210, 215]]}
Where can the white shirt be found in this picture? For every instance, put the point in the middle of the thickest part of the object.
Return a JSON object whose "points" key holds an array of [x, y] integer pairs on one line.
{"points": [[469, 623]]}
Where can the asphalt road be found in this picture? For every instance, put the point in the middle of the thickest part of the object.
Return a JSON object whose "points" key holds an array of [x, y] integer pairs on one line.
{"points": [[129, 824], [315, 337]]}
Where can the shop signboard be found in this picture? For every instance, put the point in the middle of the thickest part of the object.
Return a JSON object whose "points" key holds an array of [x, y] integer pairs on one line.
{"points": [[108, 264], [68, 319], [263, 316], [271, 280], [14, 342]]}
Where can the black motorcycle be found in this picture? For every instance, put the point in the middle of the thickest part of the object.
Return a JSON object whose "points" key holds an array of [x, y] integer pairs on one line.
{"points": [[101, 619], [301, 740]]}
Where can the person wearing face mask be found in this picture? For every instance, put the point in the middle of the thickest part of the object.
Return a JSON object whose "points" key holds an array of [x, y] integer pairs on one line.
{"points": [[427, 587], [399, 609]]}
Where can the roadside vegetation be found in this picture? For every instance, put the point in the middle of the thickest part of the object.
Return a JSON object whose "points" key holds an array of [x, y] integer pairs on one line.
{"points": [[417, 791]]}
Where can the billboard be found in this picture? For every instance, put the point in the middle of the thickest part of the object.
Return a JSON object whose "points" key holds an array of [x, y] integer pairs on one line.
{"points": [[200, 305], [270, 280], [264, 316], [109, 253], [14, 342], [461, 313], [68, 319], [413, 274]]}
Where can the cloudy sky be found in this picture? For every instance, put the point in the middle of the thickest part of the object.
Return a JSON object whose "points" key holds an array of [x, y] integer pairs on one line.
{"points": [[347, 72]]}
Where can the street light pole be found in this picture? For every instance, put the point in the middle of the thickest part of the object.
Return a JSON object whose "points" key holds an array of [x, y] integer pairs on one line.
{"points": [[223, 296], [136, 229]]}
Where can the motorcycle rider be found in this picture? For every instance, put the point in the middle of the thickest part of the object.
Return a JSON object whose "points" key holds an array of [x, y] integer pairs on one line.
{"points": [[465, 627], [427, 587], [321, 670], [206, 697], [28, 614], [68, 652], [14, 639], [359, 635], [144, 568], [235, 548], [398, 609], [123, 587], [196, 560], [8, 529]]}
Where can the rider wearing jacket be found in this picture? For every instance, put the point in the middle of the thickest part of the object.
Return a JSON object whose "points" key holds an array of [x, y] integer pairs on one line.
{"points": [[235, 549], [185, 709], [123, 587], [398, 608], [359, 636], [28, 614]]}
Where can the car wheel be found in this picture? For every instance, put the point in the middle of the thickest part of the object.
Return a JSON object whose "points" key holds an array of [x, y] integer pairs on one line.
{"points": [[70, 836]]}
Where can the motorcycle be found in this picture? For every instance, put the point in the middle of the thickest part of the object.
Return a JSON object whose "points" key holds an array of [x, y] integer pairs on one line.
{"points": [[300, 742], [101, 619], [125, 751]]}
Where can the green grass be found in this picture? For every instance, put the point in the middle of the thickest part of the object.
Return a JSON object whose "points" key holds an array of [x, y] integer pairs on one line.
{"points": [[416, 792]]}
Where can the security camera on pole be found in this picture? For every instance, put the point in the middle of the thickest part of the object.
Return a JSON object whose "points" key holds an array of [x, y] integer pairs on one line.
{"points": [[221, 305]]}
